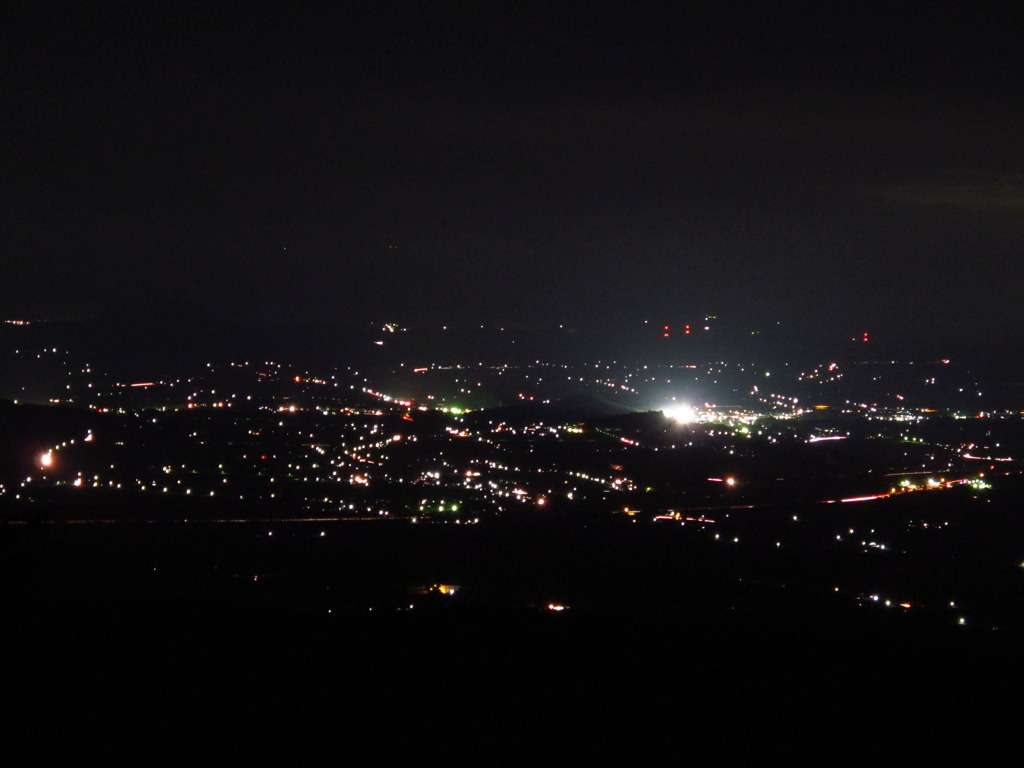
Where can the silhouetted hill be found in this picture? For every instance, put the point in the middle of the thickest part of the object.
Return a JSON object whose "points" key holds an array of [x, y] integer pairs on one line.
{"points": [[581, 407]]}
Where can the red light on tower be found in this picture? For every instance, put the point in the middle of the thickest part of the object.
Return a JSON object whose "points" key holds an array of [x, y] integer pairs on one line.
{"points": [[865, 337], [665, 334], [686, 330]]}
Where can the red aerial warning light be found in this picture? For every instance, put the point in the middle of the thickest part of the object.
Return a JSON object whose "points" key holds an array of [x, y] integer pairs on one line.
{"points": [[686, 330], [865, 337]]}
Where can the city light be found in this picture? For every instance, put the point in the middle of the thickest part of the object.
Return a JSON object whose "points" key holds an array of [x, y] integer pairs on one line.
{"points": [[682, 413], [339, 454]]}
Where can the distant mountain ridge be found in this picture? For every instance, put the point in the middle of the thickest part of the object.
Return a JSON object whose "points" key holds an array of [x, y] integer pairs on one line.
{"points": [[580, 407]]}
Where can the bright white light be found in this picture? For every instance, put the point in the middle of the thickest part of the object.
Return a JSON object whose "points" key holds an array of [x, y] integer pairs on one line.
{"points": [[682, 413], [46, 459]]}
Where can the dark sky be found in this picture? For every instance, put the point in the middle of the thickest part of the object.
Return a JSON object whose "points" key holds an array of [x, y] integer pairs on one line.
{"points": [[840, 164]]}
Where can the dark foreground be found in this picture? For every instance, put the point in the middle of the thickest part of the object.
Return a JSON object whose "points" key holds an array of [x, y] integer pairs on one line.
{"points": [[476, 688], [172, 644]]}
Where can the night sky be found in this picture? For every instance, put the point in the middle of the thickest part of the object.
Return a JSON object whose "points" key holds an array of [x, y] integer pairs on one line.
{"points": [[831, 165]]}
